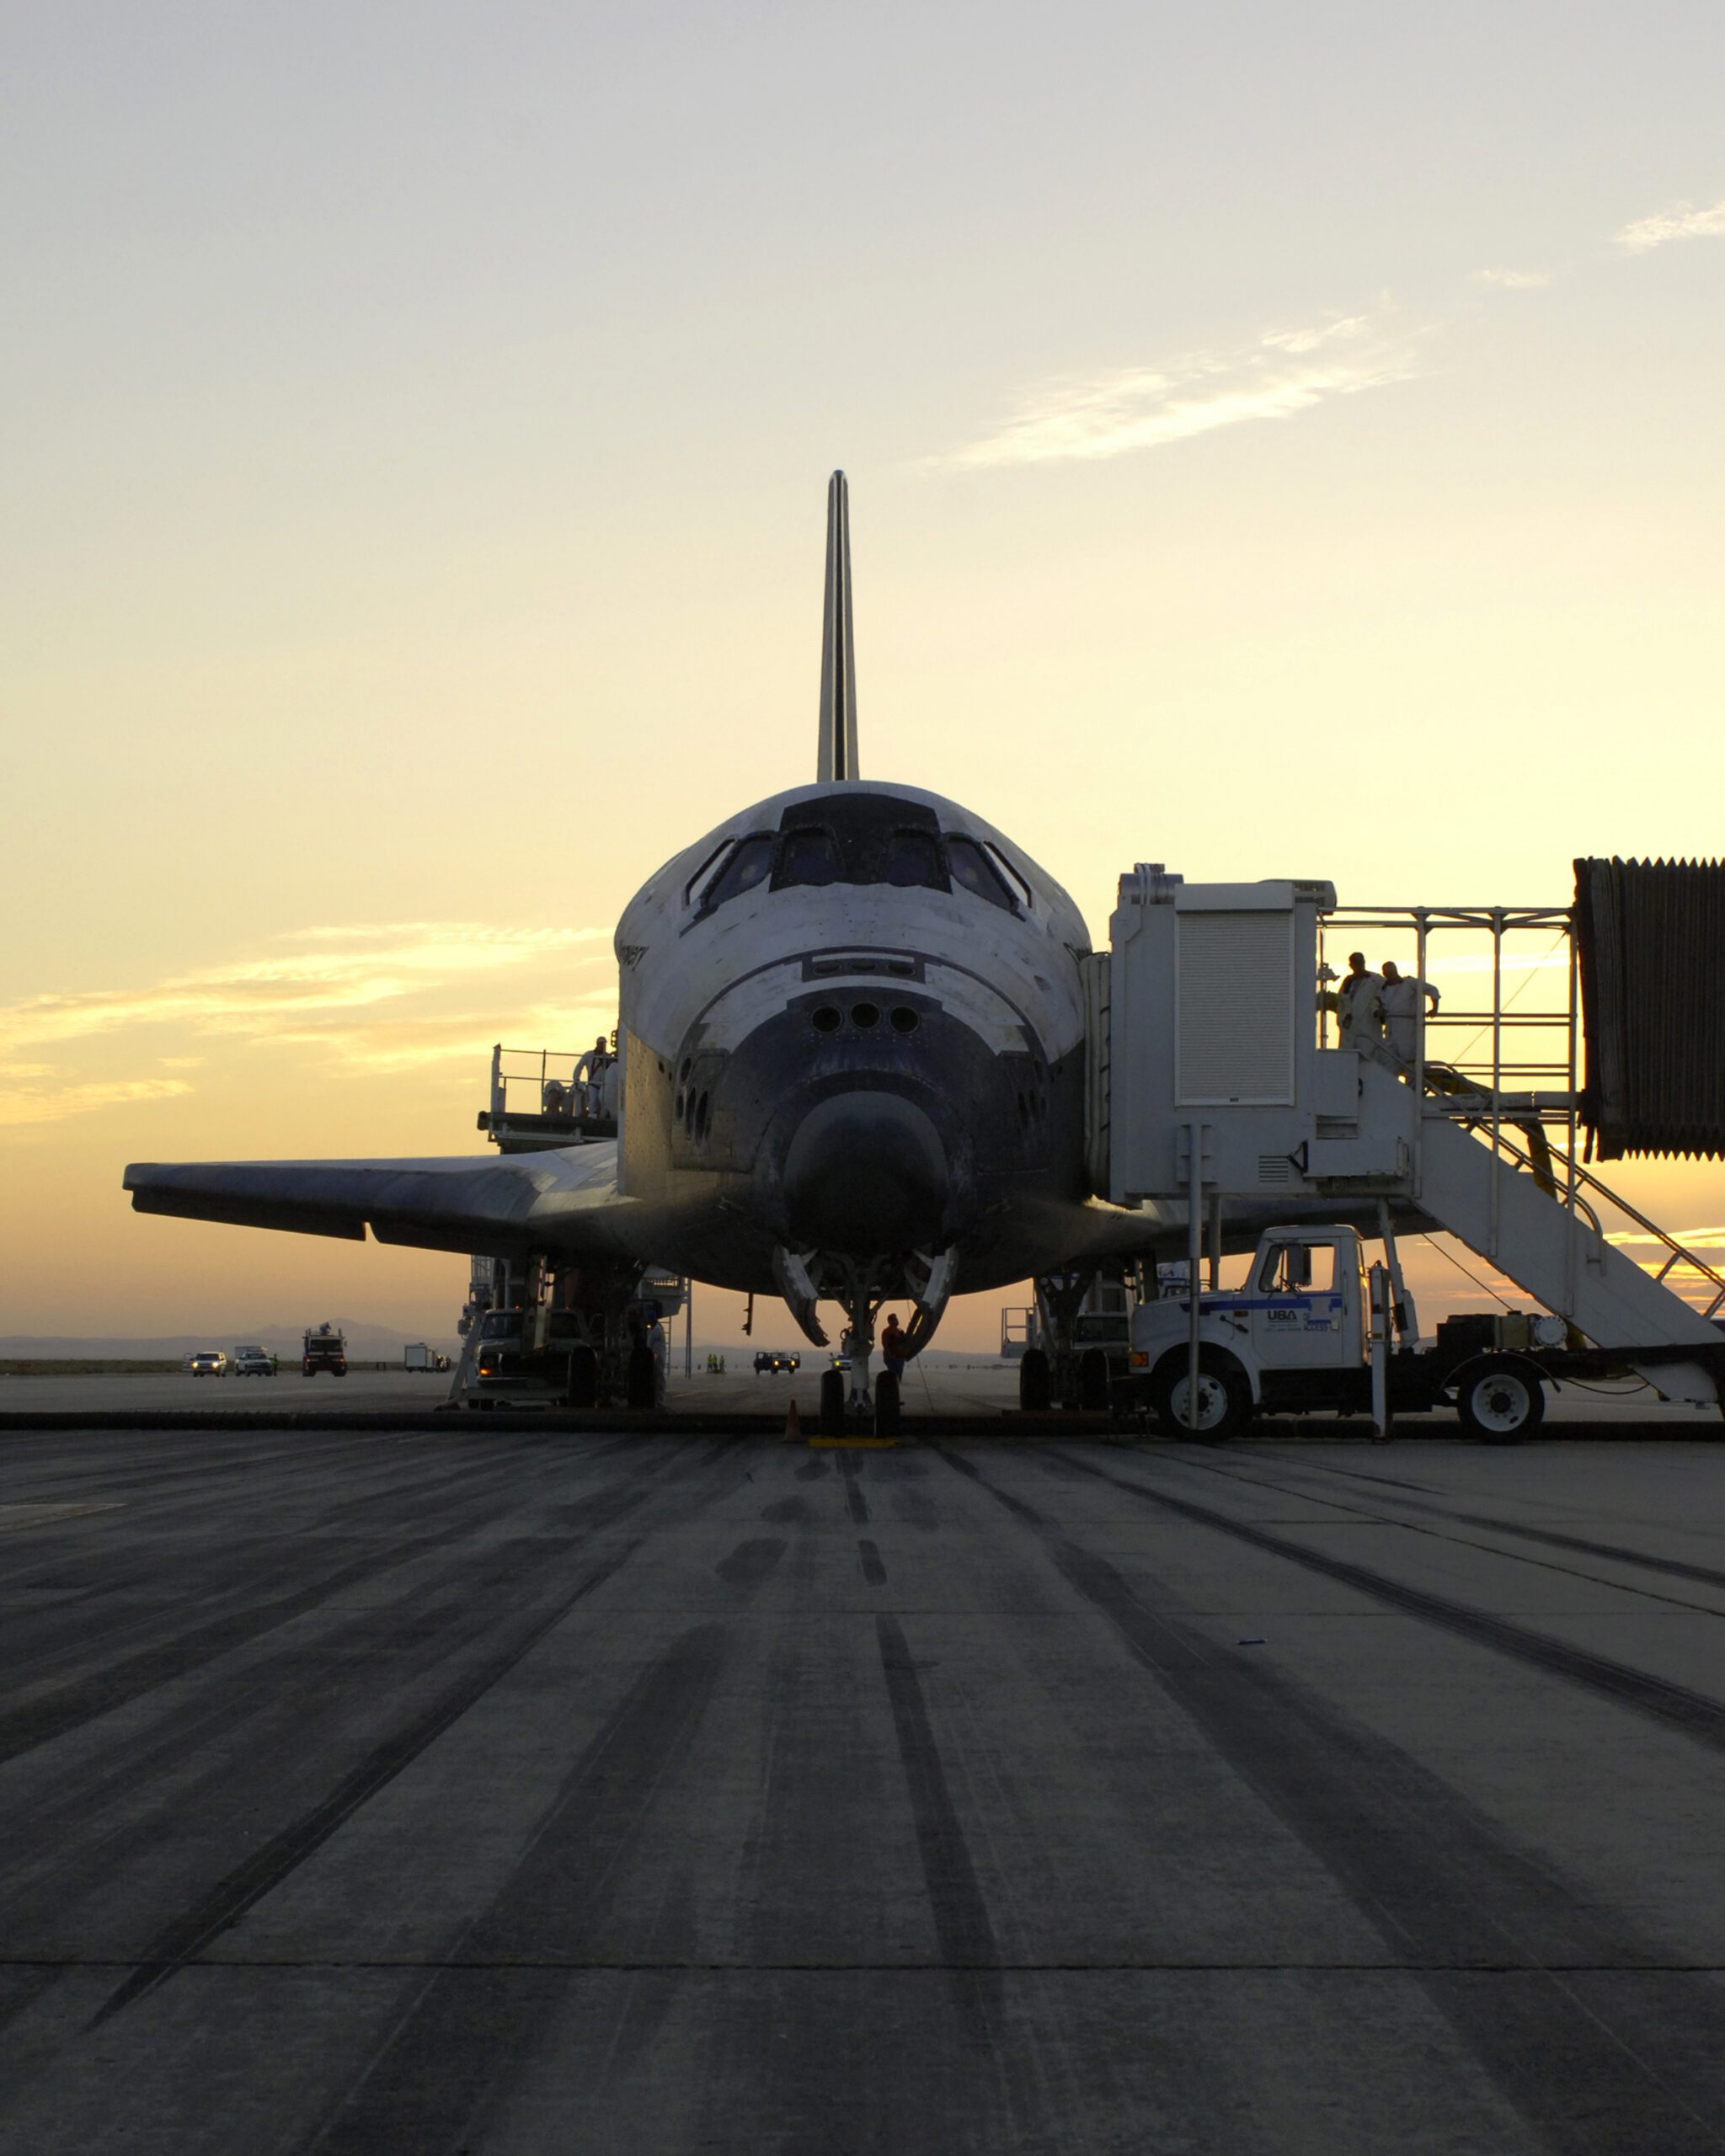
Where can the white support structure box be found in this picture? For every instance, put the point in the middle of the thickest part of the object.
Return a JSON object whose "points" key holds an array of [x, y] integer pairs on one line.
{"points": [[1234, 967], [1208, 1089]]}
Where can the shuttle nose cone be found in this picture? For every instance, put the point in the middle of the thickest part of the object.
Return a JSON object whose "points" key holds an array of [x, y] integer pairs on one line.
{"points": [[866, 1172]]}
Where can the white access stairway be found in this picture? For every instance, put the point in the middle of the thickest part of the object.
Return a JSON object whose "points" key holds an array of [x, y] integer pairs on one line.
{"points": [[1213, 1092], [1494, 1203]]}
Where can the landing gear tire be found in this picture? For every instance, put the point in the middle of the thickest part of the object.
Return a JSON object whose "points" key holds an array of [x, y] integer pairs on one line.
{"points": [[1224, 1400], [641, 1383], [1501, 1403], [583, 1378], [1093, 1378], [832, 1403], [1035, 1392], [886, 1405]]}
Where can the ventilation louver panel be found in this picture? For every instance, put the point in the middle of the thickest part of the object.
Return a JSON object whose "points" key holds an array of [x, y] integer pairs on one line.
{"points": [[1234, 1012]]}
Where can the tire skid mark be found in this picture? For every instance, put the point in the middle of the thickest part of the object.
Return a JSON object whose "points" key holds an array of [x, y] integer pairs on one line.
{"points": [[245, 1882], [1358, 1517], [1616, 1553], [1674, 1568], [203, 1468], [246, 1885], [424, 1628], [283, 1703], [131, 1565], [868, 1556], [239, 1619], [962, 1929], [854, 1497], [1593, 2067], [1673, 1707], [915, 1508], [961, 1918], [751, 1563], [458, 2049]]}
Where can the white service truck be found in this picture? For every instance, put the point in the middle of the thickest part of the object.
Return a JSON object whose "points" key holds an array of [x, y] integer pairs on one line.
{"points": [[1300, 1335]]}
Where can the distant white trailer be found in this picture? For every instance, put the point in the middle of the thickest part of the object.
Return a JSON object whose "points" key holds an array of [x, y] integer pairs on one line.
{"points": [[419, 1355]]}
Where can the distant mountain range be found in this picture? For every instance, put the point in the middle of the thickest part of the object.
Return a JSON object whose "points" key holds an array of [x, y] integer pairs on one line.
{"points": [[366, 1343]]}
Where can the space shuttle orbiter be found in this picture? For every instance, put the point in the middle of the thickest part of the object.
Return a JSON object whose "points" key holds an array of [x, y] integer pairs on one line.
{"points": [[852, 1049]]}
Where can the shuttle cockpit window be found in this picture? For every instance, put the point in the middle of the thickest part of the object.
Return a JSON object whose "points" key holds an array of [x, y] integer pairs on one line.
{"points": [[913, 859], [1020, 889], [808, 856], [861, 838], [973, 869], [750, 864]]}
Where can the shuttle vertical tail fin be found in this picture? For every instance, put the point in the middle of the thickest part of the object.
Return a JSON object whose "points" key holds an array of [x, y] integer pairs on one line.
{"points": [[838, 658]]}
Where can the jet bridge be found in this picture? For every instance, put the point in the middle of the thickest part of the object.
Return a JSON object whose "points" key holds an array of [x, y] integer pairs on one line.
{"points": [[1217, 1079]]}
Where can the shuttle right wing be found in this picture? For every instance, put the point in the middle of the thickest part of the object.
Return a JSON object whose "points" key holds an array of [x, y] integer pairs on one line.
{"points": [[565, 1201]]}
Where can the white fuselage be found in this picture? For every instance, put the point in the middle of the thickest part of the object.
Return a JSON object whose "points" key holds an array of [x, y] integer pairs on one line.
{"points": [[852, 1028]]}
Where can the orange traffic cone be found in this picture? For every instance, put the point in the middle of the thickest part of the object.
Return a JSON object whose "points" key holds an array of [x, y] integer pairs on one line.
{"points": [[793, 1425]]}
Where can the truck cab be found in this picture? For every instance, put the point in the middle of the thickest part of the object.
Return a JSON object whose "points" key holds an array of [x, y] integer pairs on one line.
{"points": [[1292, 1336], [1299, 1336], [324, 1348]]}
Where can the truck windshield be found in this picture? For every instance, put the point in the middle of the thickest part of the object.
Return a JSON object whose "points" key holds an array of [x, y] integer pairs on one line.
{"points": [[1298, 1269], [501, 1324]]}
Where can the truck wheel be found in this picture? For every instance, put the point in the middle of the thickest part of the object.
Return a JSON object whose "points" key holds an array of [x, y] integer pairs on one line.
{"points": [[1093, 1378], [583, 1378], [1035, 1393], [1223, 1398], [886, 1405], [1500, 1403], [832, 1403]]}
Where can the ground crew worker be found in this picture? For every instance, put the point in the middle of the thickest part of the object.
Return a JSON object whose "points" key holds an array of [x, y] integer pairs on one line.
{"points": [[851, 1351], [590, 1074], [1403, 998], [660, 1348], [895, 1349], [1359, 1005]]}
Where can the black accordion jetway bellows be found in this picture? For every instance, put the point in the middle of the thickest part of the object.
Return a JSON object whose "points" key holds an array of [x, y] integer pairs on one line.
{"points": [[1650, 937]]}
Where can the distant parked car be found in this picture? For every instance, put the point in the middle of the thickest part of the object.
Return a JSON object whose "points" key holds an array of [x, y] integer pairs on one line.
{"points": [[772, 1360], [208, 1363], [251, 1363]]}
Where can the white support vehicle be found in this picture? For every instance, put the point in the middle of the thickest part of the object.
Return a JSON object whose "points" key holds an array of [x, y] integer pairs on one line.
{"points": [[1304, 1333]]}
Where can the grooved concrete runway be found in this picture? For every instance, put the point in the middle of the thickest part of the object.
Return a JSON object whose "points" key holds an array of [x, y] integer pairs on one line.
{"points": [[531, 1793]]}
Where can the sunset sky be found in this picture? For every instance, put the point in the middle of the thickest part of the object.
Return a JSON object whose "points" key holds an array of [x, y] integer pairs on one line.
{"points": [[1281, 441]]}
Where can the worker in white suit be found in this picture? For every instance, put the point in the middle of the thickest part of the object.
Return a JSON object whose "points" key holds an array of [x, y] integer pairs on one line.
{"points": [[1359, 1006], [1405, 999]]}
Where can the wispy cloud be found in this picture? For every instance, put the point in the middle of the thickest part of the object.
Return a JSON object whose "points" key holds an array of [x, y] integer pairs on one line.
{"points": [[1680, 221], [1514, 280], [376, 1000], [40, 1103], [1277, 375], [322, 970], [1696, 1239]]}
